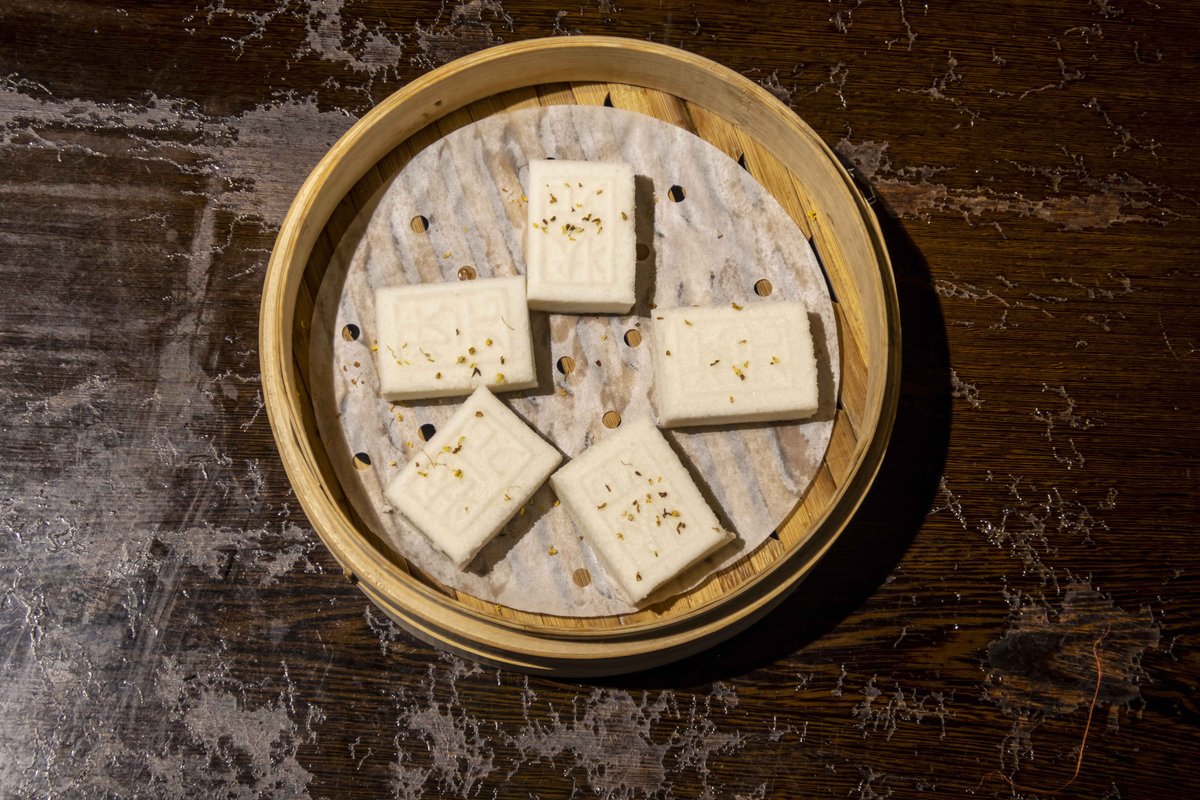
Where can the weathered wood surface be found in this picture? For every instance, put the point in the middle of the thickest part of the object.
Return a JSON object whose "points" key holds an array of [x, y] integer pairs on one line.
{"points": [[170, 627]]}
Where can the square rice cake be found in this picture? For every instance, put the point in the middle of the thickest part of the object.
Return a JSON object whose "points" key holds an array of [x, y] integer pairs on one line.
{"points": [[580, 248], [445, 339], [472, 476], [727, 364], [639, 509]]}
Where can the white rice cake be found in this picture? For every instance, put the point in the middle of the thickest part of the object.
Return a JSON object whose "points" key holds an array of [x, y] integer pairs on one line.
{"points": [[725, 364], [580, 247], [639, 508], [445, 339], [473, 475]]}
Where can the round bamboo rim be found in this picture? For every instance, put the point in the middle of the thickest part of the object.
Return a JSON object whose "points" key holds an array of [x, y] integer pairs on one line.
{"points": [[737, 116]]}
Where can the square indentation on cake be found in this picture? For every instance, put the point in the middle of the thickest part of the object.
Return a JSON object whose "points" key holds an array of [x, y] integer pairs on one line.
{"points": [[639, 508], [446, 339], [472, 476], [733, 363], [580, 244]]}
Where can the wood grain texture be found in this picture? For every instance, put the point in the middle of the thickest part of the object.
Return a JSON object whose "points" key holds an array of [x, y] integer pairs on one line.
{"points": [[171, 627]]}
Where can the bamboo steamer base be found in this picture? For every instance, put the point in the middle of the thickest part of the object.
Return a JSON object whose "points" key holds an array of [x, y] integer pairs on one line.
{"points": [[750, 126]]}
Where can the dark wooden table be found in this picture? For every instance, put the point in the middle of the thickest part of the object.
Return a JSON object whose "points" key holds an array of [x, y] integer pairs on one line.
{"points": [[171, 627]]}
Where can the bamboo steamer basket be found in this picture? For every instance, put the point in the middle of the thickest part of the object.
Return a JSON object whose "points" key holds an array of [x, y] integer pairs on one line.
{"points": [[732, 113]]}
